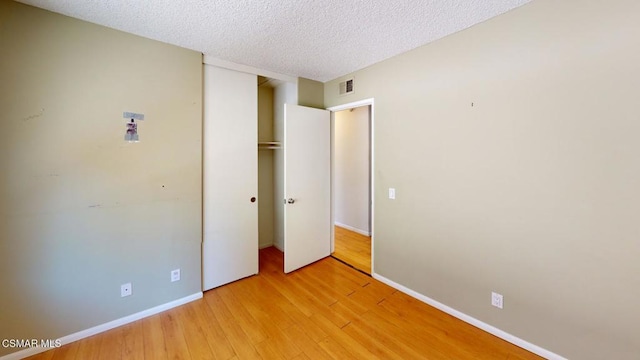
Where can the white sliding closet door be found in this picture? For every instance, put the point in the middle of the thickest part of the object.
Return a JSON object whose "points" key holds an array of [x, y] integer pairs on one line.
{"points": [[230, 245]]}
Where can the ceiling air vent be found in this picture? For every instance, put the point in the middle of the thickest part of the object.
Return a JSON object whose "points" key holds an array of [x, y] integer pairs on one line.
{"points": [[346, 87]]}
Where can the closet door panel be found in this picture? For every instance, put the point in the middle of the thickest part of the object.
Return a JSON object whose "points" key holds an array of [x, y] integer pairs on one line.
{"points": [[230, 245]]}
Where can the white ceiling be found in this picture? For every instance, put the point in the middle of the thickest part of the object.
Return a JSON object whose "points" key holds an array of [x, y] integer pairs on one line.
{"points": [[315, 39]]}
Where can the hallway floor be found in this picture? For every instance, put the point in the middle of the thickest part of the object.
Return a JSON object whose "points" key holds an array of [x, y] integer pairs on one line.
{"points": [[353, 249]]}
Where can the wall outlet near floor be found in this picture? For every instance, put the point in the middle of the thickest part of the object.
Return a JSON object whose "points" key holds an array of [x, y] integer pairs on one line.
{"points": [[125, 290], [175, 275], [497, 300]]}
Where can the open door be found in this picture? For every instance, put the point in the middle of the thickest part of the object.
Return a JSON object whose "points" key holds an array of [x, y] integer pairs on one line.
{"points": [[307, 186]]}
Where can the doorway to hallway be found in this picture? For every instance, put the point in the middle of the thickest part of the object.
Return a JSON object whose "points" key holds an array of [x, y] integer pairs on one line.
{"points": [[352, 184]]}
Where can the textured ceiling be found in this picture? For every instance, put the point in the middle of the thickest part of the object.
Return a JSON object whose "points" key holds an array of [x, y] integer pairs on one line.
{"points": [[315, 39]]}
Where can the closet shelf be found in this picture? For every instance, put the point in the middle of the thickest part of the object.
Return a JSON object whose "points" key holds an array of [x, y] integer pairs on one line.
{"points": [[269, 145]]}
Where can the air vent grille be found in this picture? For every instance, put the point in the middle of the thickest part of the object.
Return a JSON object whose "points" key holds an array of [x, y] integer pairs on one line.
{"points": [[346, 87]]}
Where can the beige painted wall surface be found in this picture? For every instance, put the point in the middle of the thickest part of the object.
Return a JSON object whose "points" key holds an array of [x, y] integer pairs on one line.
{"points": [[265, 168], [81, 210], [310, 93], [514, 150]]}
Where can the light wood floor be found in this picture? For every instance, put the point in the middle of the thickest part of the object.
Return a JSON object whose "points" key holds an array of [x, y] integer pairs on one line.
{"points": [[353, 248], [323, 311]]}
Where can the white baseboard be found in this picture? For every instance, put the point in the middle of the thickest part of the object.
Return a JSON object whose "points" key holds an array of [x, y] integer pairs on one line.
{"points": [[264, 246], [104, 327], [473, 321], [351, 228]]}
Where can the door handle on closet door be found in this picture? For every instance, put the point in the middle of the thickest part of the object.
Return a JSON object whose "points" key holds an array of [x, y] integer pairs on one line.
{"points": [[289, 201]]}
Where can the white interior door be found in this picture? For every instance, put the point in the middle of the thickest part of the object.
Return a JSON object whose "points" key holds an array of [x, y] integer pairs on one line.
{"points": [[307, 184], [230, 245]]}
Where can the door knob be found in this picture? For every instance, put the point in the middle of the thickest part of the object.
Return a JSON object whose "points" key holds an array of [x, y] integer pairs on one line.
{"points": [[290, 201], [253, 199]]}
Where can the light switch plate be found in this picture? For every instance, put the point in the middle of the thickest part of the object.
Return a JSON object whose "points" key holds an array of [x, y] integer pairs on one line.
{"points": [[497, 300], [392, 193]]}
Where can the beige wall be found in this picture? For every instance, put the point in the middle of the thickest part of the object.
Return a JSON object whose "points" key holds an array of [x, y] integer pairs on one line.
{"points": [[81, 210], [265, 168], [513, 147], [310, 93]]}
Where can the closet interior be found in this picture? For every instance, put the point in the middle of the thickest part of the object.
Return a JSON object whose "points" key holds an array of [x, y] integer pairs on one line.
{"points": [[272, 95]]}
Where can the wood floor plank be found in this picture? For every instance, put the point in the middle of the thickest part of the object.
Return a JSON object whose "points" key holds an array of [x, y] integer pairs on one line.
{"points": [[267, 351], [111, 345], [174, 339], [211, 330], [275, 337], [292, 286], [133, 341], [339, 274], [193, 332], [296, 335], [303, 356], [302, 280], [281, 345], [425, 342], [405, 307], [377, 343], [66, 352], [262, 301], [371, 295], [412, 338], [353, 347], [449, 335], [281, 311], [336, 294], [340, 290], [254, 329], [271, 260], [153, 338], [302, 301], [335, 350], [353, 248], [238, 339], [47, 355]]}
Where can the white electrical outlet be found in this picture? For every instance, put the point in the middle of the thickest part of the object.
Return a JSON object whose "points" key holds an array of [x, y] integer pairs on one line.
{"points": [[392, 193], [497, 300], [125, 290], [175, 275]]}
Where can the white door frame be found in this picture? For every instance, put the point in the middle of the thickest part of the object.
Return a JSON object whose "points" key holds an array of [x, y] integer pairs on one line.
{"points": [[334, 109]]}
